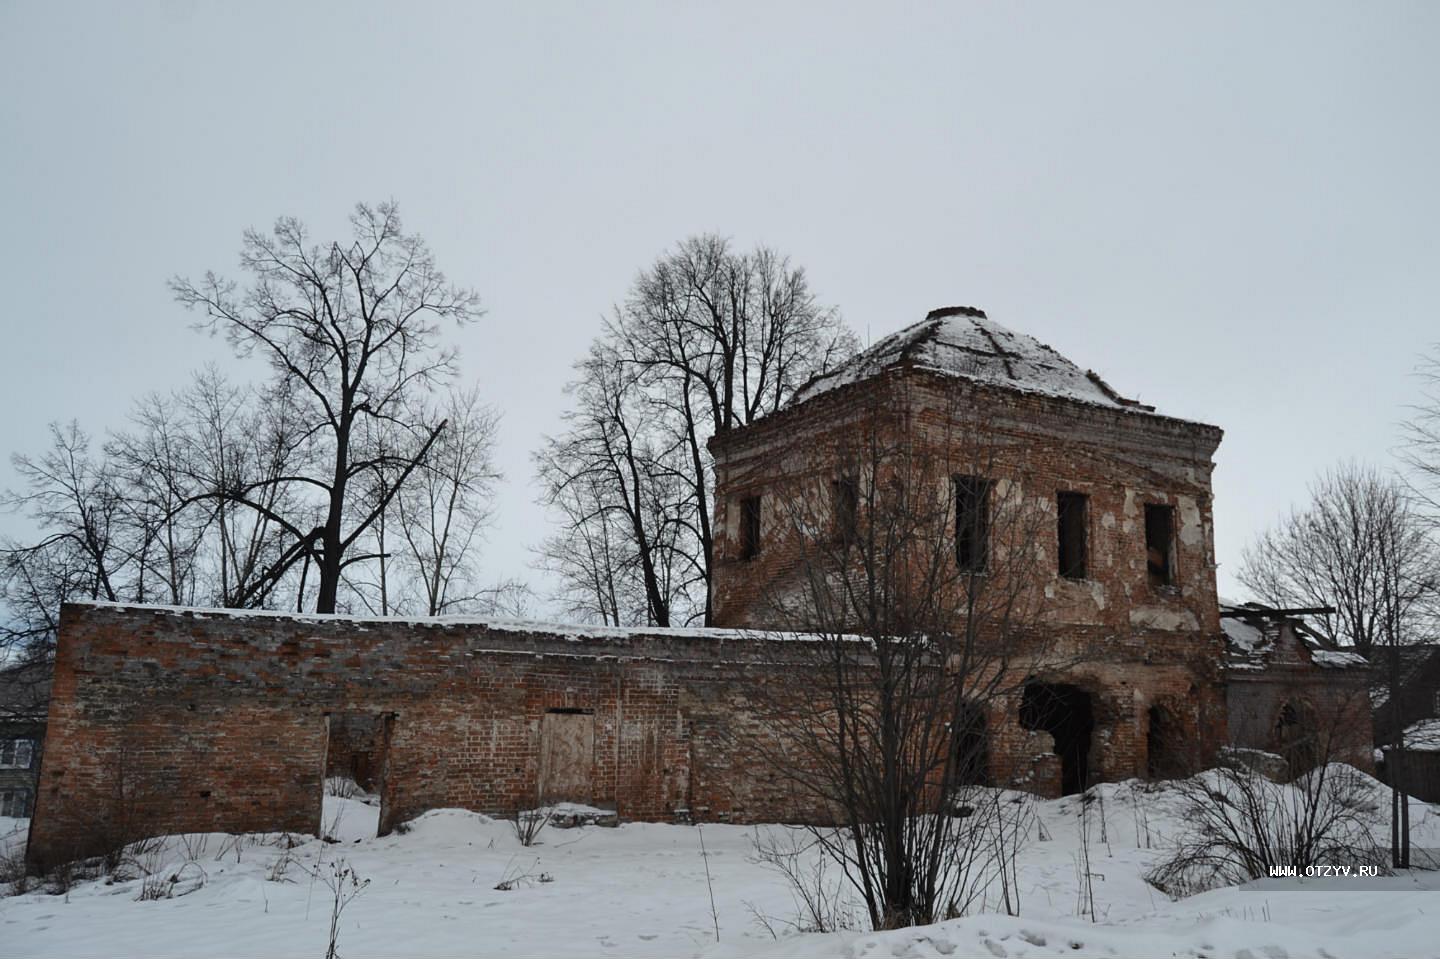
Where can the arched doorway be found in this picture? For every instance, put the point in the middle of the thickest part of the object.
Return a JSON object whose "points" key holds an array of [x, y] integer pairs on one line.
{"points": [[972, 749], [1165, 748], [1067, 714], [1295, 736]]}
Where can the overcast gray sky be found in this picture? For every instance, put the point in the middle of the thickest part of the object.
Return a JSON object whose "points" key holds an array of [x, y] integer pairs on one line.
{"points": [[1231, 211]]}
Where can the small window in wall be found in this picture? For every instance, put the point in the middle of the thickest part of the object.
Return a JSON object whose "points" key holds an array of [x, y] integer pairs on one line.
{"points": [[749, 527], [15, 803], [1073, 534], [16, 753], [845, 501], [972, 522], [1160, 544]]}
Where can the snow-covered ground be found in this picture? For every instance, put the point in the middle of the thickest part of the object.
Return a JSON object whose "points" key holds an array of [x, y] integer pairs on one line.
{"points": [[641, 890]]}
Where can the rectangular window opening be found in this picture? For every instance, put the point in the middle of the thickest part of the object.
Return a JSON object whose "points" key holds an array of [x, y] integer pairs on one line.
{"points": [[1160, 544], [972, 522], [16, 753], [1073, 529], [845, 500], [749, 527], [15, 803]]}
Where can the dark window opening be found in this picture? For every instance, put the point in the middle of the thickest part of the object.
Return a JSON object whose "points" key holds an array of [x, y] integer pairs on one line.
{"points": [[1295, 738], [570, 711], [1073, 529], [1065, 713], [972, 522], [845, 501], [16, 753], [972, 753], [1160, 544], [750, 527], [1164, 746], [15, 803]]}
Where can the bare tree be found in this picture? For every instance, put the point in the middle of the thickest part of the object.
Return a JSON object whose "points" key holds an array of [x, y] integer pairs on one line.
{"points": [[708, 339], [611, 459], [1421, 451], [242, 439], [919, 601], [589, 556], [72, 497], [153, 475], [354, 328], [427, 541], [1358, 547]]}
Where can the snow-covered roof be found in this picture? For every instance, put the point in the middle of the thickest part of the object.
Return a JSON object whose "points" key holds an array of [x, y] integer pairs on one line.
{"points": [[962, 341], [1338, 657], [1423, 736]]}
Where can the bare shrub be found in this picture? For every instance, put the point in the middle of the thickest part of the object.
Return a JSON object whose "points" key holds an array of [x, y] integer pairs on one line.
{"points": [[344, 884], [235, 844], [281, 866], [516, 876], [169, 883], [820, 901], [994, 847], [342, 786], [330, 829], [15, 878], [63, 877], [1242, 824], [529, 823]]}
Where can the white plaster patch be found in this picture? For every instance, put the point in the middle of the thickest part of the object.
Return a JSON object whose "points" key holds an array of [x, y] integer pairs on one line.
{"points": [[1192, 532], [1159, 617]]}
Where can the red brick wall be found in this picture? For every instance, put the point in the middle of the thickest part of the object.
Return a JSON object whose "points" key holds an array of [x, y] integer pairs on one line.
{"points": [[1128, 644], [165, 721]]}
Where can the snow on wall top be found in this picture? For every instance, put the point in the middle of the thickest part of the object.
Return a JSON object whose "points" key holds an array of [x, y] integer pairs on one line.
{"points": [[962, 341], [570, 631]]}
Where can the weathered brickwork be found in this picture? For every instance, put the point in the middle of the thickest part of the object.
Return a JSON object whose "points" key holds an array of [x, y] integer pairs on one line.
{"points": [[166, 720], [1303, 705], [1133, 647]]}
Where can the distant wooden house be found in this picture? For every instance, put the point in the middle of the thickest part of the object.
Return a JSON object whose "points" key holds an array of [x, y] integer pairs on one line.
{"points": [[1406, 696], [24, 700]]}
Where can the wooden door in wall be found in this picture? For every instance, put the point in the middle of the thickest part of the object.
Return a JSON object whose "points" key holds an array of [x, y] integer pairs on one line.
{"points": [[567, 756]]}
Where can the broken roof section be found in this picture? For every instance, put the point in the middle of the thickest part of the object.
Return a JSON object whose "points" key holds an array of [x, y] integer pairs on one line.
{"points": [[962, 341], [1255, 638]]}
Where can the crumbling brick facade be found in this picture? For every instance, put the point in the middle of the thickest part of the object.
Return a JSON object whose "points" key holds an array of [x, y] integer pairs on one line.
{"points": [[1147, 654], [1302, 702], [171, 720]]}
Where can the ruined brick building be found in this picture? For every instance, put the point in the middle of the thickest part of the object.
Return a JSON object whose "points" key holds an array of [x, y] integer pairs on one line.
{"points": [[229, 721], [1292, 693], [1124, 557]]}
